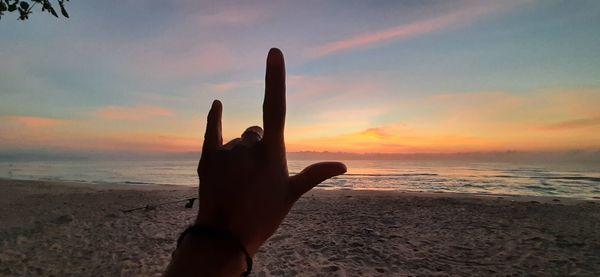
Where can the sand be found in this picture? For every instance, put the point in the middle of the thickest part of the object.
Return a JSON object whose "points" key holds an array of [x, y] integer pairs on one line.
{"points": [[74, 229]]}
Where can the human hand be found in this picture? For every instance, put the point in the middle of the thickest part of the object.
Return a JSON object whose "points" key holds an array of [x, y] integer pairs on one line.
{"points": [[245, 188]]}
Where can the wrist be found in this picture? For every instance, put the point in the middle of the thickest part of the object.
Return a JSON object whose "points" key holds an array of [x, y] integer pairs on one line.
{"points": [[250, 245], [216, 253]]}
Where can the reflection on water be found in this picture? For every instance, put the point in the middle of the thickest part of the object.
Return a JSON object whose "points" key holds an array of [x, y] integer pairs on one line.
{"points": [[581, 181]]}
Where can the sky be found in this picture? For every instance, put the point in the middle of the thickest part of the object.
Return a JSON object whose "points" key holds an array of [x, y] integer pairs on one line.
{"points": [[413, 76]]}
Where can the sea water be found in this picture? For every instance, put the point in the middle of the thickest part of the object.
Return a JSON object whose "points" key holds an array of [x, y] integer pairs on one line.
{"points": [[494, 178]]}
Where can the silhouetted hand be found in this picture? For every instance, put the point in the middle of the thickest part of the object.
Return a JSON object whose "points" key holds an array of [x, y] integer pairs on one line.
{"points": [[245, 188]]}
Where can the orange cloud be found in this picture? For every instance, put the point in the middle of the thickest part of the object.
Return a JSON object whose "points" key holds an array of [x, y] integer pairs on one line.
{"points": [[139, 142], [417, 28], [573, 124], [442, 123], [458, 122], [377, 133], [395, 139], [132, 113], [34, 121]]}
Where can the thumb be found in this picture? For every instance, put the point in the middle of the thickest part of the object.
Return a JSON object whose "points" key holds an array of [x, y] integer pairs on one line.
{"points": [[313, 175]]}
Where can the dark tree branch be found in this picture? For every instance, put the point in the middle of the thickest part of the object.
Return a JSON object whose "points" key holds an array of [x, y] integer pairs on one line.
{"points": [[24, 7]]}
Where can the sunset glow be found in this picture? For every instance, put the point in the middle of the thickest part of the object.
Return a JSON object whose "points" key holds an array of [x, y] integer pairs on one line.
{"points": [[399, 77]]}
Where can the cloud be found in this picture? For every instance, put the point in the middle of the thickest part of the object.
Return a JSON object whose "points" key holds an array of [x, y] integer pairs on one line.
{"points": [[34, 121], [396, 138], [237, 13], [465, 121], [552, 108], [573, 124], [233, 85], [465, 14], [342, 88], [223, 87], [182, 59], [134, 113], [234, 16], [30, 131], [379, 133]]}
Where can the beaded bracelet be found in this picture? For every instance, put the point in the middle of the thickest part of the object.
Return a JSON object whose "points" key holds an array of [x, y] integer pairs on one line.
{"points": [[202, 230]]}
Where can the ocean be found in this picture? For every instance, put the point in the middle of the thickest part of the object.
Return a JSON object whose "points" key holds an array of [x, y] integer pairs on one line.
{"points": [[494, 178]]}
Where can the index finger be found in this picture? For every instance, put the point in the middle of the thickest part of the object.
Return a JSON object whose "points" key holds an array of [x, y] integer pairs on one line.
{"points": [[274, 102], [213, 138]]}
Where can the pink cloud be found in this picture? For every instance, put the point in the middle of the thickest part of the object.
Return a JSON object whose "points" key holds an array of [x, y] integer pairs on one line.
{"points": [[239, 13], [223, 87], [34, 121], [236, 16], [466, 14], [331, 88], [186, 59], [134, 113]]}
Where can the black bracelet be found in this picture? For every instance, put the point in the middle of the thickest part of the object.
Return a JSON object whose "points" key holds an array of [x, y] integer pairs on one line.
{"points": [[203, 230]]}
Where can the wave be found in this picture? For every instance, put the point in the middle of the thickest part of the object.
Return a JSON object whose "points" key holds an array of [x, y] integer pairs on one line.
{"points": [[139, 183], [578, 178], [525, 170], [474, 186], [507, 176], [550, 190], [392, 175], [574, 178]]}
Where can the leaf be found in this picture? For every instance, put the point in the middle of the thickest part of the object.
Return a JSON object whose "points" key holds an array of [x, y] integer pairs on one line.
{"points": [[63, 10], [23, 14], [24, 7], [46, 5], [52, 11]]}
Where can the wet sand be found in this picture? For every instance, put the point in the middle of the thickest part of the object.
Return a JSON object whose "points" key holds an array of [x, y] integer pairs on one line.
{"points": [[73, 229]]}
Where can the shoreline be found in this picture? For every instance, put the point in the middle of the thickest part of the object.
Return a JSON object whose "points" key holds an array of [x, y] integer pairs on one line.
{"points": [[322, 191], [66, 228]]}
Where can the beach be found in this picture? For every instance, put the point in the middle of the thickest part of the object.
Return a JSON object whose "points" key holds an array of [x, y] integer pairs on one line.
{"points": [[80, 229]]}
